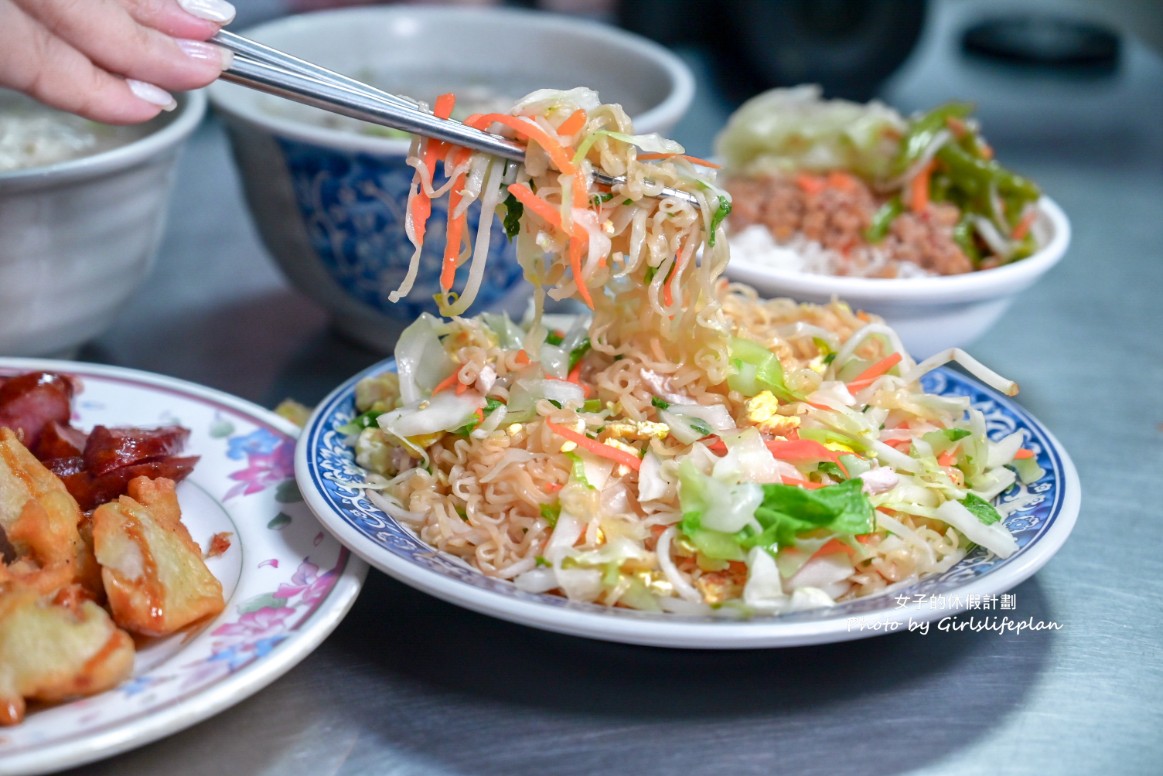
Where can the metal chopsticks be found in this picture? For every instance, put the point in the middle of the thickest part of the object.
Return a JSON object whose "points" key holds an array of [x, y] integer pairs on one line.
{"points": [[269, 70]]}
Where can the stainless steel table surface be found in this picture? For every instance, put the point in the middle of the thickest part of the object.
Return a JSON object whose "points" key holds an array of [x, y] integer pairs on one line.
{"points": [[410, 685]]}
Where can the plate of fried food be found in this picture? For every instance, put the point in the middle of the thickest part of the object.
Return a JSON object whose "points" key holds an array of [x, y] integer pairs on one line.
{"points": [[157, 563]]}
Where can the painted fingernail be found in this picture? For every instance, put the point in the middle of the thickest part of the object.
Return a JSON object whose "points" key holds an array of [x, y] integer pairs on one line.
{"points": [[206, 52], [218, 11], [152, 94]]}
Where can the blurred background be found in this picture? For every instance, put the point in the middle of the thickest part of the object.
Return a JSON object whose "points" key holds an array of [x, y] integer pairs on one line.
{"points": [[855, 49]]}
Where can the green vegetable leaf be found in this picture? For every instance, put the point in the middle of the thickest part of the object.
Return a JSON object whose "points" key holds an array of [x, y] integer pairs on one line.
{"points": [[719, 217], [551, 512], [579, 352], [700, 426], [578, 470], [513, 212], [788, 510], [757, 369], [360, 422], [785, 512], [981, 509], [882, 220], [661, 404]]}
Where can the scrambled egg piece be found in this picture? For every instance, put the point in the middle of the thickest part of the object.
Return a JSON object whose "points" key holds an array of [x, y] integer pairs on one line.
{"points": [[634, 429], [763, 412], [381, 392]]}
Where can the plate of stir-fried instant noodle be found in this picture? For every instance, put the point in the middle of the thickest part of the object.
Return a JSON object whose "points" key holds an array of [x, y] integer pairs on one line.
{"points": [[684, 463]]}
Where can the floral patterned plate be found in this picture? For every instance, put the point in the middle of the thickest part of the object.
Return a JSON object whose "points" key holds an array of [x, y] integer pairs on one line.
{"points": [[1040, 515], [287, 582]]}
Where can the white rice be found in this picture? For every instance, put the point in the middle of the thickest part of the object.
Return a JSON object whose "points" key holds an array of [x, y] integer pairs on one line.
{"points": [[755, 245]]}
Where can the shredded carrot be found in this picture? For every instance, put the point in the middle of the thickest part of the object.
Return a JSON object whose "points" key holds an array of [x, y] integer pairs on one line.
{"points": [[558, 154], [575, 373], [1023, 453], [454, 234], [919, 189], [447, 382], [668, 283], [810, 184], [480, 413], [956, 126], [574, 379], [614, 454], [444, 104], [522, 358], [865, 378], [838, 179], [1022, 228], [553, 487], [533, 131], [536, 204], [577, 245], [420, 205], [867, 538], [455, 226], [947, 458], [575, 122], [832, 547], [802, 449], [461, 388], [420, 210]]}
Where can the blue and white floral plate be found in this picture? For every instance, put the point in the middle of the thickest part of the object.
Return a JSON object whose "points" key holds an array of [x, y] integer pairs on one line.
{"points": [[1041, 516], [287, 582]]}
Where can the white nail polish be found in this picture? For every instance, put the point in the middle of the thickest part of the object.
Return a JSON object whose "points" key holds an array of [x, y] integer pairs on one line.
{"points": [[152, 94], [218, 11], [206, 52]]}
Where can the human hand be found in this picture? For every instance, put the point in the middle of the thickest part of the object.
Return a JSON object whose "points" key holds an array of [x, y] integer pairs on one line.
{"points": [[114, 61]]}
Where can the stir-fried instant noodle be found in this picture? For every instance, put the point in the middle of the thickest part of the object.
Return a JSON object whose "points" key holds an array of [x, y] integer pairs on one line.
{"points": [[683, 445]]}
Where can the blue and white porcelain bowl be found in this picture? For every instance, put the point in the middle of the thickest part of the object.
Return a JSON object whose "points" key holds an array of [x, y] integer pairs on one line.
{"points": [[328, 194]]}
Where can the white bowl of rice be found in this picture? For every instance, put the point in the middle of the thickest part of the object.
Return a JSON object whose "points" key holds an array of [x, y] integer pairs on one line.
{"points": [[82, 210], [931, 312], [912, 218]]}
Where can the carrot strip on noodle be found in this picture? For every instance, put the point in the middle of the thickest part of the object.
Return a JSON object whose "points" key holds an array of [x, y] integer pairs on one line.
{"points": [[865, 378], [577, 245], [536, 204], [420, 205], [575, 122], [558, 153], [448, 382], [609, 452]]}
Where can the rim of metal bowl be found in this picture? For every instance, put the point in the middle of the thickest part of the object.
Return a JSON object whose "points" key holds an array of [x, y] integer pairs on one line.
{"points": [[240, 103], [176, 126]]}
